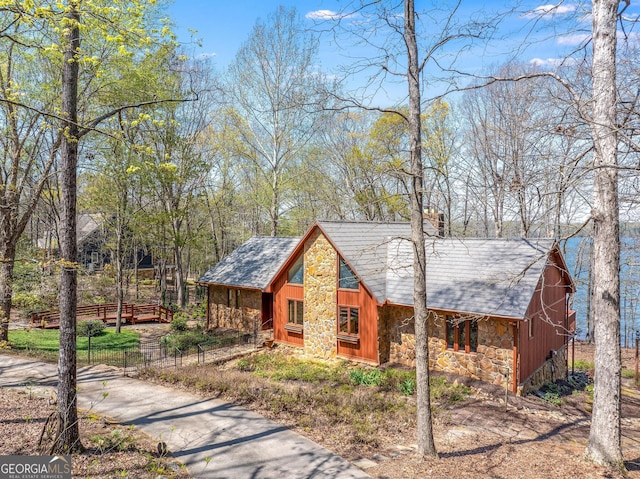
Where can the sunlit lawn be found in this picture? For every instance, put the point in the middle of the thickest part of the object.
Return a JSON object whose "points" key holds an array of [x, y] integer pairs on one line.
{"points": [[49, 340]]}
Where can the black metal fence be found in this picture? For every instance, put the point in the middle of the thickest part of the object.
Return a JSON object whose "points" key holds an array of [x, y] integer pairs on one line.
{"points": [[155, 354]]}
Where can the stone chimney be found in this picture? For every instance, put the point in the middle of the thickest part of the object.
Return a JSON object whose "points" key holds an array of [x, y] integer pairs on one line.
{"points": [[436, 219]]}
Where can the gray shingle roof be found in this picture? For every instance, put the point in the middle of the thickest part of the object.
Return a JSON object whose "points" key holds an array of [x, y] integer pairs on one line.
{"points": [[477, 276], [481, 276], [253, 264], [87, 224], [364, 246]]}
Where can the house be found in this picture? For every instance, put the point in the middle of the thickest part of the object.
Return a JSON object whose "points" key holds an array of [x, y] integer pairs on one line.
{"points": [[91, 240], [498, 308], [238, 287]]}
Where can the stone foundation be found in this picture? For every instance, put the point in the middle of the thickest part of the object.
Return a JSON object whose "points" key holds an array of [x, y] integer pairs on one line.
{"points": [[320, 297], [492, 362], [552, 370]]}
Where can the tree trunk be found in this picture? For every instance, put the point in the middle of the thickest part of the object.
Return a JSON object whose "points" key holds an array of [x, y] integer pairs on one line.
{"points": [[604, 446], [119, 275], [68, 438], [179, 277], [426, 445], [8, 256]]}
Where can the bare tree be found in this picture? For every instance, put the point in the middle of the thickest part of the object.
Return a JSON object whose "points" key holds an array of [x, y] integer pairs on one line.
{"points": [[277, 93], [426, 445], [604, 446]]}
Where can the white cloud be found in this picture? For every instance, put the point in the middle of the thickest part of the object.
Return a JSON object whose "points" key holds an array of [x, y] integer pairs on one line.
{"points": [[550, 10], [573, 40], [548, 62], [207, 55], [552, 62], [325, 15]]}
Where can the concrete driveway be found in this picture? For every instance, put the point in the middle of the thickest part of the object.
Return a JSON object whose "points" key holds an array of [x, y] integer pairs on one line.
{"points": [[212, 438]]}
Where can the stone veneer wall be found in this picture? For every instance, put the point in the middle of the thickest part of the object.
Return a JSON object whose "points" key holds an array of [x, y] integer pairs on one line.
{"points": [[243, 318], [320, 297], [492, 361], [553, 369]]}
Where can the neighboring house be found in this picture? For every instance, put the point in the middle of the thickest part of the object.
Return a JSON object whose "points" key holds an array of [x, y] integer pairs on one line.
{"points": [[91, 239], [238, 290], [498, 308]]}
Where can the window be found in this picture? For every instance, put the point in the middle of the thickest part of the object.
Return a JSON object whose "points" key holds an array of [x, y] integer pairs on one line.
{"points": [[237, 298], [348, 279], [229, 297], [462, 335], [296, 272], [296, 312], [530, 324], [349, 320]]}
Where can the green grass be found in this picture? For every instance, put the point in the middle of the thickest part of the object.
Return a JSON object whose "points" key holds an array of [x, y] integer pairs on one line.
{"points": [[281, 367], [48, 340], [582, 365]]}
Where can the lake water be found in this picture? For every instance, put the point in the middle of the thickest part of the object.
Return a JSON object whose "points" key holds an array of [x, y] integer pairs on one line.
{"points": [[577, 257]]}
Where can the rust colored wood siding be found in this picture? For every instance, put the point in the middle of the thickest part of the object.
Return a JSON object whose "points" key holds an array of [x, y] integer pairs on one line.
{"points": [[366, 348], [282, 293], [548, 330]]}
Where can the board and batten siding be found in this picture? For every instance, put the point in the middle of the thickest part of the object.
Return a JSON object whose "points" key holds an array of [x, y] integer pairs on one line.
{"points": [[550, 329], [283, 291], [366, 348], [322, 298]]}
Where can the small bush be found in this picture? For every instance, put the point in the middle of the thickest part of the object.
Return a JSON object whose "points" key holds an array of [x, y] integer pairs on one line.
{"points": [[552, 398], [116, 441], [246, 365], [582, 365], [445, 392], [179, 322], [366, 378], [628, 373], [407, 387], [90, 328], [28, 302]]}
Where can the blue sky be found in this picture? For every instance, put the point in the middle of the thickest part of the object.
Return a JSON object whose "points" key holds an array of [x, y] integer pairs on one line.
{"points": [[539, 32]]}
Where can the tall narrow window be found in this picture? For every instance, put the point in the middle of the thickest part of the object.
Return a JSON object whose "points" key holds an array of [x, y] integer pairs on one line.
{"points": [[462, 335], [473, 336], [451, 332], [296, 272], [229, 297], [237, 298], [348, 279], [349, 319]]}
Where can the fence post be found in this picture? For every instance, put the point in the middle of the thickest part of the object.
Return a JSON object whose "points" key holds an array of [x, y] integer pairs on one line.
{"points": [[175, 357]]}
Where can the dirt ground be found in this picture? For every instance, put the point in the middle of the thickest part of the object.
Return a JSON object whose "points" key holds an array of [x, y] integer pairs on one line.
{"points": [[112, 450], [479, 437], [529, 438]]}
